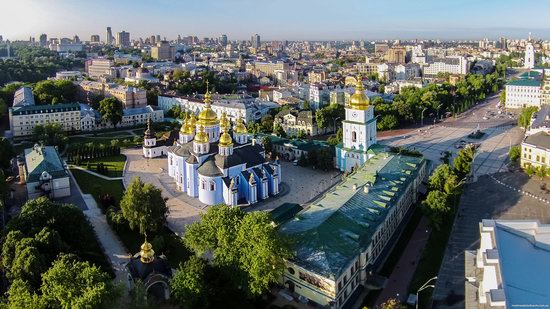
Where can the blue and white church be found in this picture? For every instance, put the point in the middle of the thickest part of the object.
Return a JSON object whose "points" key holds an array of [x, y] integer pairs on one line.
{"points": [[359, 131], [210, 164]]}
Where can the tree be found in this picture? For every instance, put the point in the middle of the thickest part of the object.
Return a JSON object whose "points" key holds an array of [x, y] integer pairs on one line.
{"points": [[530, 170], [267, 123], [388, 122], [51, 134], [463, 162], [436, 207], [392, 303], [110, 110], [52, 92], [439, 177], [336, 139], [279, 131], [3, 107], [246, 244], [21, 297], [321, 117], [306, 106], [188, 285], [70, 283], [524, 119], [514, 153], [541, 172], [502, 97], [6, 153], [143, 206]]}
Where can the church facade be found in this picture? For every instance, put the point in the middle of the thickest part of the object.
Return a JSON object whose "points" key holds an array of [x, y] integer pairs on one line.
{"points": [[359, 131], [210, 164]]}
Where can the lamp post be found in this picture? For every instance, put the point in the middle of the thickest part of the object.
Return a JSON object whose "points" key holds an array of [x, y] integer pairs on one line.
{"points": [[422, 116], [424, 286]]}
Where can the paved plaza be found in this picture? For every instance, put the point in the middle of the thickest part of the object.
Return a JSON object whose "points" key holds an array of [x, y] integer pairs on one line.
{"points": [[485, 199], [300, 184]]}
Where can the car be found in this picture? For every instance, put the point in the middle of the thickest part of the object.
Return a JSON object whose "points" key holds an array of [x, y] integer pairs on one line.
{"points": [[295, 162], [458, 146], [485, 118]]}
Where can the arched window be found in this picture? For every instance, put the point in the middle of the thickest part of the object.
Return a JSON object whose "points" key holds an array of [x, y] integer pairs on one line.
{"points": [[212, 187], [203, 184], [354, 136]]}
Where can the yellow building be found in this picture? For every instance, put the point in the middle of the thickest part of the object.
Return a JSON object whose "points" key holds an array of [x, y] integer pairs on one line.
{"points": [[535, 150]]}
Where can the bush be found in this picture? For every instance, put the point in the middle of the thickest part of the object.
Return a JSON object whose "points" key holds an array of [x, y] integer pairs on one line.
{"points": [[159, 243], [107, 200], [515, 153], [115, 218]]}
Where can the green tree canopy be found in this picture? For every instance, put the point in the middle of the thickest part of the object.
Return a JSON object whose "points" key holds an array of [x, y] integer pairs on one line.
{"points": [[436, 207], [439, 176], [246, 244], [111, 110], [6, 153], [514, 153], [188, 285], [143, 206]]}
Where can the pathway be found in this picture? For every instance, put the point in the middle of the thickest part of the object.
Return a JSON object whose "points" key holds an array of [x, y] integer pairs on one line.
{"points": [[112, 246], [400, 278], [94, 173]]}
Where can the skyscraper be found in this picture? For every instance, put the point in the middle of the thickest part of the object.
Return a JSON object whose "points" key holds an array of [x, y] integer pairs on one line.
{"points": [[94, 38], [123, 38], [109, 37], [223, 40], [255, 41], [503, 43], [43, 39]]}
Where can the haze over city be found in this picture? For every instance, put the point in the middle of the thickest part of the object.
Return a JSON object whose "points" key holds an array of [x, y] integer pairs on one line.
{"points": [[280, 20]]}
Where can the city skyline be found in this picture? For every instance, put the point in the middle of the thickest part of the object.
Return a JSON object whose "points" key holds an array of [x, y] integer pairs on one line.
{"points": [[351, 20]]}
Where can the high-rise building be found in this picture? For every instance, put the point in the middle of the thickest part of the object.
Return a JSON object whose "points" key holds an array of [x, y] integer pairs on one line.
{"points": [[158, 38], [94, 38], [109, 37], [43, 39], [163, 51], [503, 43], [223, 40], [153, 40], [396, 54], [255, 41], [76, 39], [123, 39]]}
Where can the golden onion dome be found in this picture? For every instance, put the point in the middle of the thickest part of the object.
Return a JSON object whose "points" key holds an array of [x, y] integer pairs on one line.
{"points": [[193, 120], [147, 254], [207, 117], [240, 128], [201, 136], [359, 99], [184, 125], [225, 139], [224, 122]]}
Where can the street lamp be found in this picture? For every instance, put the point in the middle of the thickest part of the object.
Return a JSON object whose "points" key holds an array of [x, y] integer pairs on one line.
{"points": [[425, 286], [422, 117]]}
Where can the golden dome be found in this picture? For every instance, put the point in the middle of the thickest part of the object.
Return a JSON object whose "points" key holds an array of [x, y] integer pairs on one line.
{"points": [[147, 254], [240, 128], [224, 122], [193, 120], [359, 100], [184, 126], [201, 136], [207, 117], [225, 139]]}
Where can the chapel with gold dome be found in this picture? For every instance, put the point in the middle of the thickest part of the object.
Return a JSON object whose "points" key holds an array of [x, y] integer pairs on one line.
{"points": [[359, 130], [214, 161]]}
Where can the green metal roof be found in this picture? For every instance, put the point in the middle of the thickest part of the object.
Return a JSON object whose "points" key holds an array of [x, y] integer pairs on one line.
{"points": [[525, 82], [50, 108], [301, 144], [530, 74], [41, 159], [332, 230]]}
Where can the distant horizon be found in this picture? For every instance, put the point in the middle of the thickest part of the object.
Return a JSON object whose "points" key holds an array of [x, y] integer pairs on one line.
{"points": [[326, 20]]}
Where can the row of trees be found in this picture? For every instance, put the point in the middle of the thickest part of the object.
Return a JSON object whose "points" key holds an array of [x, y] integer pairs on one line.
{"points": [[413, 104], [247, 257], [52, 259], [81, 153], [186, 84], [446, 185]]}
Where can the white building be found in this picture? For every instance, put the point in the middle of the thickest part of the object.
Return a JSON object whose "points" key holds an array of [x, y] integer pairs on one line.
{"points": [[529, 61], [406, 71], [43, 173], [452, 64], [523, 92], [68, 75], [245, 107], [96, 68], [24, 116], [359, 131], [512, 265], [209, 164]]}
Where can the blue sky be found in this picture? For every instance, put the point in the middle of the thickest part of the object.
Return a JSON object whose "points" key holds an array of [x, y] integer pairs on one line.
{"points": [[278, 19]]}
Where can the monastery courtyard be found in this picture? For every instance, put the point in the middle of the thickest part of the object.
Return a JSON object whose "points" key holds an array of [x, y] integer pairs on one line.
{"points": [[300, 184]]}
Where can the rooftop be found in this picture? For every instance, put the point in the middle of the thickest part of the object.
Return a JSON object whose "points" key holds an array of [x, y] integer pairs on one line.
{"points": [[525, 82], [41, 159], [332, 230], [540, 140]]}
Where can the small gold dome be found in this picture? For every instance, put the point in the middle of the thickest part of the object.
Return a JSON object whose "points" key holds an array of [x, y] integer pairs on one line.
{"points": [[207, 117], [359, 100], [147, 254], [184, 125], [193, 120], [224, 122], [225, 139], [240, 128], [201, 136]]}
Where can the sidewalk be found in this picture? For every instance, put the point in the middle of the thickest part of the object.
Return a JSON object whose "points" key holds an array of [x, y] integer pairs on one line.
{"points": [[398, 282], [112, 246]]}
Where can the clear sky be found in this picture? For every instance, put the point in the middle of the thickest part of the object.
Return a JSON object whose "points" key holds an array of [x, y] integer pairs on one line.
{"points": [[278, 19]]}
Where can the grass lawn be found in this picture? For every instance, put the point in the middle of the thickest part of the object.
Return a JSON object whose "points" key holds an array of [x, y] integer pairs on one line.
{"points": [[114, 164], [96, 186], [429, 264]]}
